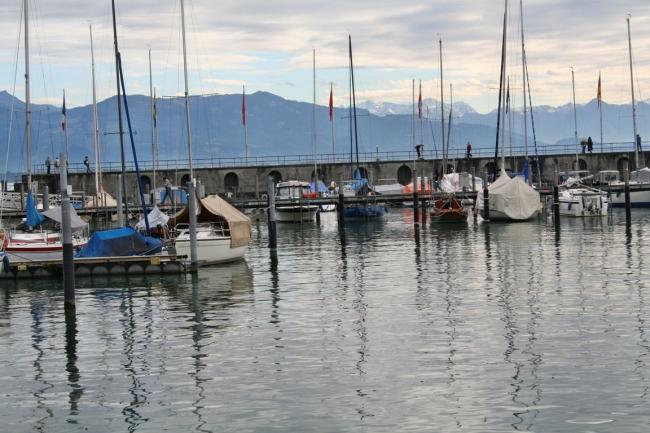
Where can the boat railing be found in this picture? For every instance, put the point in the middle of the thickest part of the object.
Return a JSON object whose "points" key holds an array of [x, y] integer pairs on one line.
{"points": [[217, 228]]}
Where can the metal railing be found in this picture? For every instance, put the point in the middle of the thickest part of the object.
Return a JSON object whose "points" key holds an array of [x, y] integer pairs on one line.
{"points": [[339, 158]]}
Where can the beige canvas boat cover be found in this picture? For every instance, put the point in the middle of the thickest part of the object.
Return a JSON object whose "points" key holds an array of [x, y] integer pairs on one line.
{"points": [[215, 209]]}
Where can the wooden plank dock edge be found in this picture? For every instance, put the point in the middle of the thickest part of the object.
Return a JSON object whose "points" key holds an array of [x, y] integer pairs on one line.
{"points": [[98, 266]]}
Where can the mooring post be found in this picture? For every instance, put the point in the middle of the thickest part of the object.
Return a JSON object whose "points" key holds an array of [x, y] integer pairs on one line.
{"points": [[191, 198], [120, 211], [486, 204], [424, 203], [416, 199], [628, 204], [556, 207], [270, 193], [473, 179], [340, 208], [66, 232], [46, 197]]}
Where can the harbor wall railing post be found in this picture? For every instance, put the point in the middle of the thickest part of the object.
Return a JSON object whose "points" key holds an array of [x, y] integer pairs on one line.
{"points": [[273, 235], [66, 232], [191, 196]]}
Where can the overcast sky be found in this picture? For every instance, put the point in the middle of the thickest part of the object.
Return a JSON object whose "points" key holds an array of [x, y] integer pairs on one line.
{"points": [[267, 45]]}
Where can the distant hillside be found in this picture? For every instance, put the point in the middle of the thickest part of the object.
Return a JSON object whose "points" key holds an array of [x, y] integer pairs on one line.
{"points": [[277, 126]]}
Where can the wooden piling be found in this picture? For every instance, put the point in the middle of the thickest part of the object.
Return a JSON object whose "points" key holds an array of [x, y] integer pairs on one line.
{"points": [[270, 193], [66, 233], [556, 207], [628, 204]]}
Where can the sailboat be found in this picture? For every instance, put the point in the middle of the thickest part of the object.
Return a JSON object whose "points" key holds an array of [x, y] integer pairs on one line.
{"points": [[577, 199], [447, 208], [222, 232], [40, 244], [640, 177], [359, 185], [511, 199]]}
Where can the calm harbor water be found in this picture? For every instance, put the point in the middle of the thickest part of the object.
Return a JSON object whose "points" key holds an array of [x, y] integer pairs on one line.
{"points": [[483, 328]]}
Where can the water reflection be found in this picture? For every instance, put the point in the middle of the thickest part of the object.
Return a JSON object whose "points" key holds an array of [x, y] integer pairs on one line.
{"points": [[76, 390]]}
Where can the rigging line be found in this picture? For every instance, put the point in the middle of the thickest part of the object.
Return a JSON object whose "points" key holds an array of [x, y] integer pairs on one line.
{"points": [[11, 115], [36, 30]]}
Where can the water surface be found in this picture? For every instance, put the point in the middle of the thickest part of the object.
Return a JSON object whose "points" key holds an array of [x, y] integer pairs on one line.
{"points": [[384, 328]]}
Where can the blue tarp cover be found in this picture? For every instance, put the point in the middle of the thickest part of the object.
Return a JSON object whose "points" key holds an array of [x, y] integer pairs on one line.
{"points": [[119, 242], [321, 186], [34, 217]]}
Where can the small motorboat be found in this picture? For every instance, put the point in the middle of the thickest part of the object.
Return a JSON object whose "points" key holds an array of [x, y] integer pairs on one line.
{"points": [[296, 210], [448, 209]]}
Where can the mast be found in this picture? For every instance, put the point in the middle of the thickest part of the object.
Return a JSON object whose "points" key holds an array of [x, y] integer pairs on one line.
{"points": [[523, 75], [65, 133], [243, 113], [421, 119], [187, 96], [120, 216], [509, 111], [451, 112], [28, 113], [95, 121], [354, 103], [414, 150], [154, 132], [332, 120], [501, 79], [442, 115], [575, 117], [636, 147], [313, 121]]}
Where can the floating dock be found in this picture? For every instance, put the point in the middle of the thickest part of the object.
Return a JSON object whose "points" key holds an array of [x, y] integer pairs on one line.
{"points": [[98, 266]]}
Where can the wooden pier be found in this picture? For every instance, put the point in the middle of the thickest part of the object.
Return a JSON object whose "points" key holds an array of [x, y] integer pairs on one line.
{"points": [[96, 267]]}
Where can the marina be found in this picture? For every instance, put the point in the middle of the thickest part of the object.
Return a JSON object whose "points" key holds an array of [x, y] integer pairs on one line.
{"points": [[205, 243]]}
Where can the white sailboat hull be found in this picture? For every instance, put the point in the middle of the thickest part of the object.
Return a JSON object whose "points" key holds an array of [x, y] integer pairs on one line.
{"points": [[583, 204], [637, 199], [211, 251]]}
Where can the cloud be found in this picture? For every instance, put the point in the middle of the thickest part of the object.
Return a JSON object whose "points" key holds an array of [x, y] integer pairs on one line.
{"points": [[267, 44]]}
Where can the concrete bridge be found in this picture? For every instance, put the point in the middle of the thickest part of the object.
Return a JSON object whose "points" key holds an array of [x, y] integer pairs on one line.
{"points": [[242, 180]]}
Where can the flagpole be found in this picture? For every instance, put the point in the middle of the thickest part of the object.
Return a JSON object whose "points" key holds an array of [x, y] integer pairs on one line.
{"points": [[600, 111]]}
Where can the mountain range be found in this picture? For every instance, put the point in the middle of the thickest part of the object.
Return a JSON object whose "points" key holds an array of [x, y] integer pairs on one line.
{"points": [[277, 126]]}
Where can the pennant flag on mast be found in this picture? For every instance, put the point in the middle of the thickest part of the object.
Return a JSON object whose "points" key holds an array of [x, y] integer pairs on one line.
{"points": [[63, 118], [420, 102], [331, 103], [508, 97], [599, 95], [155, 110], [243, 106]]}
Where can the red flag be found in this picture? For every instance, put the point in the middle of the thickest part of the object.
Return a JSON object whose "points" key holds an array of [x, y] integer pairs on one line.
{"points": [[331, 104], [63, 119], [243, 107], [420, 102], [599, 94]]}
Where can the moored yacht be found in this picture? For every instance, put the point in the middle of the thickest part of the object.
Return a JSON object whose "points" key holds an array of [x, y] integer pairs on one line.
{"points": [[296, 210]]}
